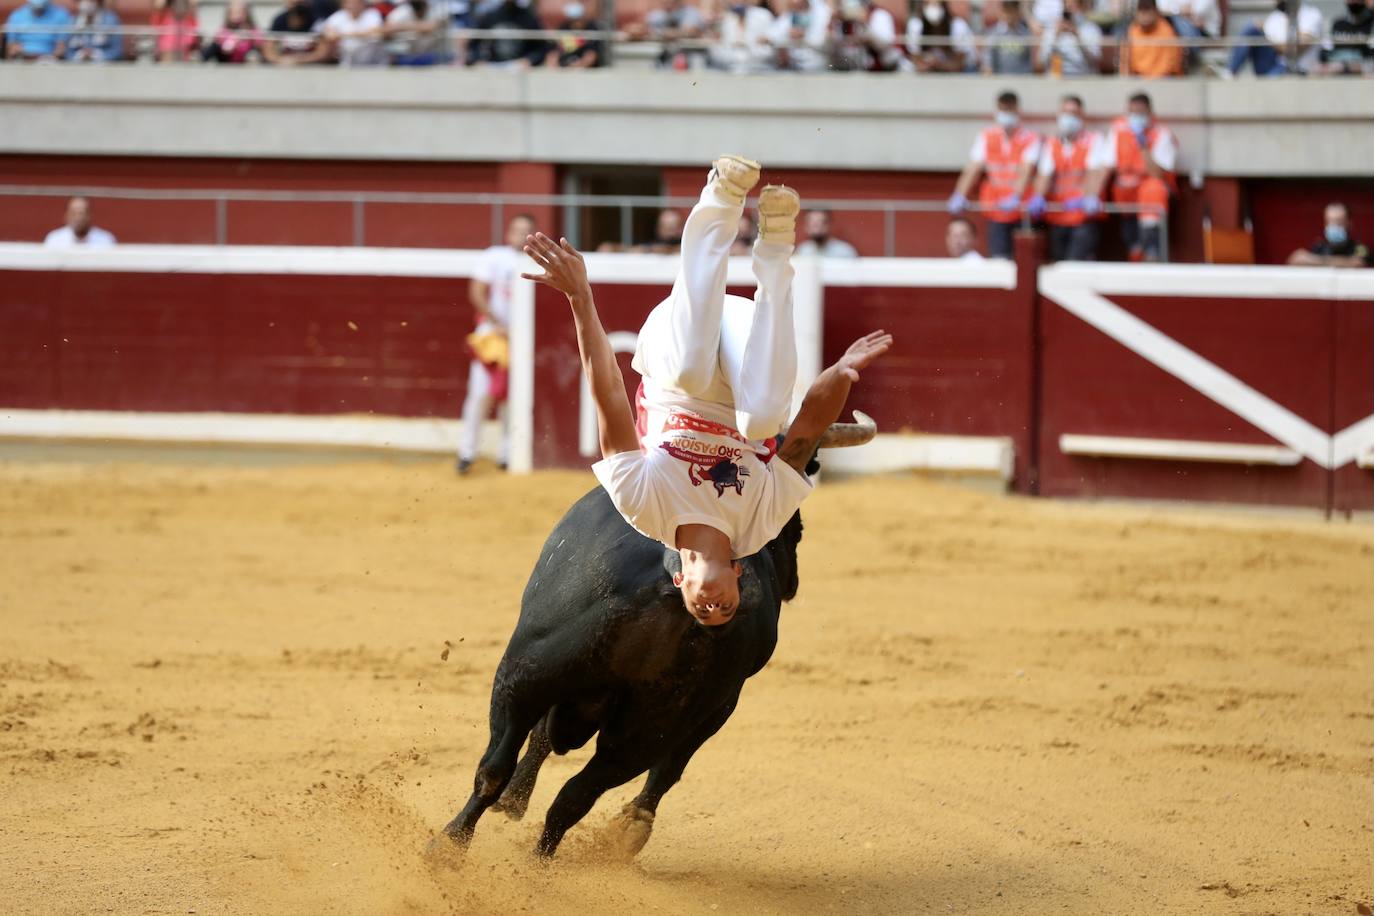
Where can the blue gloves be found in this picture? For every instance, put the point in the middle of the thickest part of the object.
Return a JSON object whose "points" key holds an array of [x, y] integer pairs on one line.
{"points": [[1010, 202], [1036, 206], [956, 204], [1092, 205]]}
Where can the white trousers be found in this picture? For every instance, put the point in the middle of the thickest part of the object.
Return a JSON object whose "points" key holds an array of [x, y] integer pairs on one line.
{"points": [[476, 407], [723, 349]]}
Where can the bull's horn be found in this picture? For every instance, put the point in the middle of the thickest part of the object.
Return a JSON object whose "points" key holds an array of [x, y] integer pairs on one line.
{"points": [[840, 435]]}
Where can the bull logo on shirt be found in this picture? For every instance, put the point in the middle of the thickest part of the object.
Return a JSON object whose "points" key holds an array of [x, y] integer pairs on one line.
{"points": [[724, 474], [718, 470]]}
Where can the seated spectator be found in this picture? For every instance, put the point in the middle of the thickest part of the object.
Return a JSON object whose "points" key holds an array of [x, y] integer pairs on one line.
{"points": [[299, 18], [745, 33], [671, 22], [953, 48], [1141, 154], [819, 241], [1192, 18], [1074, 40], [866, 38], [1044, 14], [961, 240], [416, 34], [1349, 50], [667, 234], [354, 34], [509, 52], [574, 52], [801, 36], [178, 29], [50, 44], [1009, 42], [87, 41], [1270, 56], [744, 238], [1335, 248], [1151, 48], [1067, 160], [238, 38], [78, 232]]}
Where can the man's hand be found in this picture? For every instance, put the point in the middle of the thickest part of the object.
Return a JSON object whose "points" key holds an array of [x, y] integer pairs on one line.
{"points": [[564, 269], [862, 353]]}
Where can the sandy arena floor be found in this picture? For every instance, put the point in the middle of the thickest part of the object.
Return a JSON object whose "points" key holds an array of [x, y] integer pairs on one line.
{"points": [[222, 691]]}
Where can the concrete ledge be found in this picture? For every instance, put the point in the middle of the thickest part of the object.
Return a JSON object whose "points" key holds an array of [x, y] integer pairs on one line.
{"points": [[1177, 450], [961, 455]]}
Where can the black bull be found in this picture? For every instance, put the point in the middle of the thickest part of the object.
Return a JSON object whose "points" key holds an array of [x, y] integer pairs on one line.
{"points": [[604, 645]]}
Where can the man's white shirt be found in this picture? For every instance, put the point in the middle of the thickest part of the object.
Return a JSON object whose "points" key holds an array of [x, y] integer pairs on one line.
{"points": [[687, 475], [497, 269], [66, 238]]}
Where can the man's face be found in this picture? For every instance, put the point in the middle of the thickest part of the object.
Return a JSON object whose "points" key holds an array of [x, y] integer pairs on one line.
{"points": [[1072, 108], [1337, 216], [1146, 19], [958, 239], [1140, 109], [1011, 13], [79, 216], [710, 589], [353, 7], [817, 224], [669, 227], [517, 230]]}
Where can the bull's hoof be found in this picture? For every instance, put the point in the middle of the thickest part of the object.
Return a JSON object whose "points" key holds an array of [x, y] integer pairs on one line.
{"points": [[627, 832], [512, 807], [445, 853]]}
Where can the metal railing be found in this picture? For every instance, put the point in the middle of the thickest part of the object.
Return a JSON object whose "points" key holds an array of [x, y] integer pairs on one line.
{"points": [[502, 205]]}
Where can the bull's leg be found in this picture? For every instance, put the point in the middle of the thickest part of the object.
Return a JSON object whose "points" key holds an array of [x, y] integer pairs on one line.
{"points": [[509, 728], [603, 772], [629, 831], [515, 800]]}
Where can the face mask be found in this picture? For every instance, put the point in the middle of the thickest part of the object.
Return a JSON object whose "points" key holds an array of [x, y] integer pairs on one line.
{"points": [[574, 10], [1139, 122], [934, 13], [1335, 234], [1069, 124], [1008, 120]]}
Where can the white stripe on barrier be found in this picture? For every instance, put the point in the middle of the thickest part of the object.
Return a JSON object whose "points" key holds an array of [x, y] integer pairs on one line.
{"points": [[1211, 281], [244, 259], [415, 434], [1177, 450]]}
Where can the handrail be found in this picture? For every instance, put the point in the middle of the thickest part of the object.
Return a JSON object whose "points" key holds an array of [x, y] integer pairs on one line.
{"points": [[503, 203]]}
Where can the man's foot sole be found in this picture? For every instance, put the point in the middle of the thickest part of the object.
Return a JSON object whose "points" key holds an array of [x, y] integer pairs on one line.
{"points": [[779, 206], [734, 177]]}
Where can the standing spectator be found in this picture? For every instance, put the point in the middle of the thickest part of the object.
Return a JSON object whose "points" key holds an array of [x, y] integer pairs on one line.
{"points": [[1009, 43], [1067, 160], [78, 232], [1074, 41], [801, 36], [961, 240], [415, 33], [1151, 48], [298, 19], [178, 29], [238, 38], [489, 291], [952, 47], [510, 52], [745, 33], [1269, 57], [354, 34], [669, 23], [1349, 51], [572, 52], [87, 41], [1142, 153], [50, 44], [1335, 248], [1007, 152], [820, 241]]}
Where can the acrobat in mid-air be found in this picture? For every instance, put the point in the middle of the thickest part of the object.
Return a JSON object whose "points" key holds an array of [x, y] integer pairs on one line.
{"points": [[695, 467]]}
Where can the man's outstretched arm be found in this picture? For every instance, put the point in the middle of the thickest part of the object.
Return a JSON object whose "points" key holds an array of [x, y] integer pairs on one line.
{"points": [[565, 271], [826, 398]]}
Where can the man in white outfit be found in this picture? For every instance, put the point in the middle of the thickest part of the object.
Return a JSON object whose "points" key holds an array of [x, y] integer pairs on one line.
{"points": [[79, 231], [490, 293], [697, 469]]}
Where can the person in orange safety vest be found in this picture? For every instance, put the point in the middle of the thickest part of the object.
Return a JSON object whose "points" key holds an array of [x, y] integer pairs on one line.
{"points": [[1004, 155], [1067, 161], [1142, 153]]}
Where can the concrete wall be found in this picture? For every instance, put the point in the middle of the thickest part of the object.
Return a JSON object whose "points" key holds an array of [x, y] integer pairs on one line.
{"points": [[1273, 128]]}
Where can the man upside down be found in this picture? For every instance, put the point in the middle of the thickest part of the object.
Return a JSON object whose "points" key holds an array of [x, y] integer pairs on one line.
{"points": [[698, 471]]}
